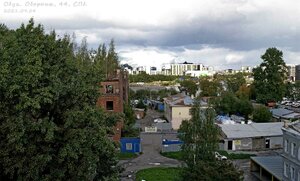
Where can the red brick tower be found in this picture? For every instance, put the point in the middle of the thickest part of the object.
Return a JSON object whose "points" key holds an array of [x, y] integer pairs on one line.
{"points": [[114, 93]]}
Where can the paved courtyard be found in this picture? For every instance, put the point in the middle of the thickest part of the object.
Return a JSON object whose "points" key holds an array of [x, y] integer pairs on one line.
{"points": [[151, 147]]}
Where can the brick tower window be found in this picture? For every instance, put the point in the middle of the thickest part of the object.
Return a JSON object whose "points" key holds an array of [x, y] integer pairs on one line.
{"points": [[109, 105], [109, 89]]}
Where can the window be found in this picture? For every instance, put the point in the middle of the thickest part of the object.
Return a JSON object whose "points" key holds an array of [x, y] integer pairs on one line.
{"points": [[293, 149], [128, 146], [109, 89], [109, 105], [286, 146], [285, 169], [299, 154], [293, 176]]}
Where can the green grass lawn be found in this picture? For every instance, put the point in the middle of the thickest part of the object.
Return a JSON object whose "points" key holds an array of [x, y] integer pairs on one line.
{"points": [[175, 155], [125, 156], [158, 174]]}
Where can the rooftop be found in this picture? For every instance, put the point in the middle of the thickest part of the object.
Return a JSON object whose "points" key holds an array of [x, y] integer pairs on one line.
{"points": [[293, 127], [273, 164], [252, 130], [179, 100], [284, 113]]}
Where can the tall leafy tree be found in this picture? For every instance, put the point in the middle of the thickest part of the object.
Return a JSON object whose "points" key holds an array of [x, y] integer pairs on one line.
{"points": [[50, 128], [190, 86], [200, 137], [269, 77], [209, 87], [235, 81], [262, 114]]}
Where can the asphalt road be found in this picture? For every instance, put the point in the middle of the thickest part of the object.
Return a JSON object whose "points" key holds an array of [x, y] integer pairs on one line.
{"points": [[151, 146], [151, 143]]}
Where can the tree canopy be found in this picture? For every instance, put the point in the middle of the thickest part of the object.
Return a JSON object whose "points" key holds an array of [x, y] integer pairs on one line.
{"points": [[262, 114], [269, 77], [200, 141], [50, 127]]}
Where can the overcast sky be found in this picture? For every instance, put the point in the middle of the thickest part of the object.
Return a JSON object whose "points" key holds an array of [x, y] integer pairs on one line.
{"points": [[219, 33]]}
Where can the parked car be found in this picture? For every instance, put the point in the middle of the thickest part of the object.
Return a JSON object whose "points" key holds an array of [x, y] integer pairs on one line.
{"points": [[219, 156], [159, 120]]}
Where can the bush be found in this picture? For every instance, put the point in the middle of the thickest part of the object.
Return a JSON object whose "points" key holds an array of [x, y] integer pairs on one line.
{"points": [[262, 114]]}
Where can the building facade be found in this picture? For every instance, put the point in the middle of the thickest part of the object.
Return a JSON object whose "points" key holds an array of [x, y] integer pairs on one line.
{"points": [[297, 72], [254, 136], [177, 109], [291, 152], [291, 75], [114, 93], [182, 68]]}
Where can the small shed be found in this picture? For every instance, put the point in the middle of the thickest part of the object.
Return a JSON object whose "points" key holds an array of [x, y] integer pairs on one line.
{"points": [[130, 145]]}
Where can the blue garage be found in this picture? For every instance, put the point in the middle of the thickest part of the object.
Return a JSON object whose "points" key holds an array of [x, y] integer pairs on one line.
{"points": [[130, 145]]}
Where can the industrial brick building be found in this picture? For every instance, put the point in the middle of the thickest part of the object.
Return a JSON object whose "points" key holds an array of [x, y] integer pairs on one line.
{"points": [[114, 93]]}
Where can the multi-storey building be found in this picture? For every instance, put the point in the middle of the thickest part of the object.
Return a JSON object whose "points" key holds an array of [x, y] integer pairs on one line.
{"points": [[291, 75], [182, 68], [291, 152], [297, 72], [246, 69], [166, 70], [138, 70], [114, 93]]}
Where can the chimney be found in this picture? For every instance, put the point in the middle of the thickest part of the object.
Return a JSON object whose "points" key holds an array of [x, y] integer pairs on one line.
{"points": [[285, 124]]}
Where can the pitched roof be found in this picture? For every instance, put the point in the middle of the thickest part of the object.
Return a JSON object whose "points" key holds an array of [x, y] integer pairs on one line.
{"points": [[280, 112], [251, 130], [273, 164], [179, 100]]}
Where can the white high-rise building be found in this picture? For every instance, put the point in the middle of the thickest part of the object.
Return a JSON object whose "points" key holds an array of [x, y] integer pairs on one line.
{"points": [[191, 69], [291, 75]]}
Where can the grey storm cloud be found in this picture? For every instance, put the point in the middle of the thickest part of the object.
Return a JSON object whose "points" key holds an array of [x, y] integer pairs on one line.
{"points": [[237, 31]]}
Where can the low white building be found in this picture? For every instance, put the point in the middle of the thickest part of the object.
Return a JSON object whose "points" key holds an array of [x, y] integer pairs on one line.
{"points": [[177, 109], [255, 136], [198, 73]]}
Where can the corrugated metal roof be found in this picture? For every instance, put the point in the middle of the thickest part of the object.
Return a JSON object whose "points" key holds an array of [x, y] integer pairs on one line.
{"points": [[251, 130], [179, 100], [280, 112], [273, 164]]}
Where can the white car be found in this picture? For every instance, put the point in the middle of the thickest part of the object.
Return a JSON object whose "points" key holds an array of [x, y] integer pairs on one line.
{"points": [[159, 120], [220, 157]]}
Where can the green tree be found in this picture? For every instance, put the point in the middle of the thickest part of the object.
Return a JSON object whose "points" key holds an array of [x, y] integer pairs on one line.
{"points": [[293, 90], [50, 128], [262, 114], [296, 90], [200, 137], [235, 81], [228, 103], [244, 92], [209, 87], [269, 77], [245, 108], [129, 121], [141, 105], [190, 86]]}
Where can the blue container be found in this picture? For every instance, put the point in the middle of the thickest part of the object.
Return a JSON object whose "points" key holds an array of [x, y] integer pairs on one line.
{"points": [[130, 145]]}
